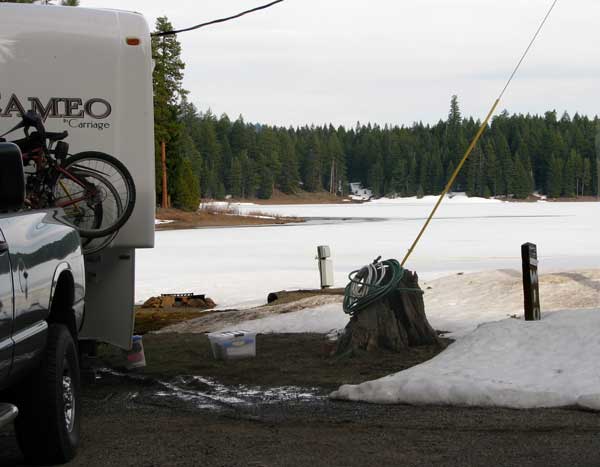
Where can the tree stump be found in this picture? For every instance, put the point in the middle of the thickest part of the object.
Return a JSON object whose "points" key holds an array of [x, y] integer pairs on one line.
{"points": [[395, 322]]}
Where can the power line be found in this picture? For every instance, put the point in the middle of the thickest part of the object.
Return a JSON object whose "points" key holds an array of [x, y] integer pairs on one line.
{"points": [[216, 21]]}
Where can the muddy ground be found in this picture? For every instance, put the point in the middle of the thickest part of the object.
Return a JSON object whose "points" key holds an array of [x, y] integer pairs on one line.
{"points": [[187, 409], [216, 217]]}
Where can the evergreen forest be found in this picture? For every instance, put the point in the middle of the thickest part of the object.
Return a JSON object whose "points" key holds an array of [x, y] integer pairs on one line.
{"points": [[213, 156]]}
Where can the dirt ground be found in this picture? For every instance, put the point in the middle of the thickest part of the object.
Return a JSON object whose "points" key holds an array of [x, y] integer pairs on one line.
{"points": [[188, 318], [205, 218], [282, 360], [272, 411]]}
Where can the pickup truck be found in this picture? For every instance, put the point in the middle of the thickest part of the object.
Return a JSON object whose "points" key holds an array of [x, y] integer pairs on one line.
{"points": [[42, 290]]}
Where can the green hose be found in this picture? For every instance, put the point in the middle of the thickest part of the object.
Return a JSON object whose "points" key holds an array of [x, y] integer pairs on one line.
{"points": [[372, 283]]}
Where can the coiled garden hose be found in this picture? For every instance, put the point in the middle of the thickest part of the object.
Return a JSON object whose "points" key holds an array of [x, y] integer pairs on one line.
{"points": [[371, 283]]}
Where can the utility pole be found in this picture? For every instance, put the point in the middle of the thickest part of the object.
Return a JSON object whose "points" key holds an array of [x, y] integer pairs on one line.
{"points": [[332, 177], [165, 194]]}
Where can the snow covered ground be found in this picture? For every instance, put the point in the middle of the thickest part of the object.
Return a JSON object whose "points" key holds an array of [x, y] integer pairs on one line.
{"points": [[469, 264], [240, 266], [509, 363], [456, 304]]}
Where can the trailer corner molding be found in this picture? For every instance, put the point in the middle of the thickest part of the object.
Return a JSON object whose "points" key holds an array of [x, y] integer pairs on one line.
{"points": [[67, 108]]}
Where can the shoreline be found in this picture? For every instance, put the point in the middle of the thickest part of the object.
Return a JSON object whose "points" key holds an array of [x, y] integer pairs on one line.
{"points": [[175, 219]]}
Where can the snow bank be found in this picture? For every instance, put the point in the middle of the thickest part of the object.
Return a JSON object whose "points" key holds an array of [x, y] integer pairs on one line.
{"points": [[459, 303], [509, 363], [320, 320], [162, 221]]}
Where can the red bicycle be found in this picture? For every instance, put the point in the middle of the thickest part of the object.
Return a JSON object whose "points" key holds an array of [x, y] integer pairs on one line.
{"points": [[95, 190]]}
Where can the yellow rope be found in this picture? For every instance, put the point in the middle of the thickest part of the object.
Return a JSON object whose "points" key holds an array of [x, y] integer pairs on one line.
{"points": [[452, 179], [478, 135]]}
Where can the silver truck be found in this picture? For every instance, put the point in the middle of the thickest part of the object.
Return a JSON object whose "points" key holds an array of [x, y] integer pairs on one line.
{"points": [[42, 290]]}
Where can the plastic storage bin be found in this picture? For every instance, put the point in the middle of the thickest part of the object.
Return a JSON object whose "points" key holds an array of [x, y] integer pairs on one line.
{"points": [[233, 344]]}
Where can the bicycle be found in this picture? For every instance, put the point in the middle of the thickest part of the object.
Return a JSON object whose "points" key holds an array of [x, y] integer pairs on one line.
{"points": [[95, 190]]}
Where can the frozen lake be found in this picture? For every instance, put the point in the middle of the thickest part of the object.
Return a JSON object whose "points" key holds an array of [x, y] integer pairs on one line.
{"points": [[240, 266]]}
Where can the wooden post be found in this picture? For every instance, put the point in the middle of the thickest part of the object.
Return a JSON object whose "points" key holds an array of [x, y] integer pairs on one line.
{"points": [[530, 282], [332, 177], [165, 194]]}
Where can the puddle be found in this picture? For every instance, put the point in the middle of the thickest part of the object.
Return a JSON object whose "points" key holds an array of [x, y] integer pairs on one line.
{"points": [[198, 392]]}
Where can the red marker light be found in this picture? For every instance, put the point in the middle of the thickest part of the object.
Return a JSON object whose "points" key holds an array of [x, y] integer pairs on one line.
{"points": [[133, 41]]}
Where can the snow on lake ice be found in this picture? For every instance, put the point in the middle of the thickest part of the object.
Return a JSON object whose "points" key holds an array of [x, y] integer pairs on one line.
{"points": [[240, 266], [509, 363]]}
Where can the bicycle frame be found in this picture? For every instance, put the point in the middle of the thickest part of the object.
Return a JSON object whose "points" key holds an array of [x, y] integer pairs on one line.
{"points": [[44, 163], [71, 201]]}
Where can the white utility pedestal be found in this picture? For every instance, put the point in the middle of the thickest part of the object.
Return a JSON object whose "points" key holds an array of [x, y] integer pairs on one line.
{"points": [[325, 266]]}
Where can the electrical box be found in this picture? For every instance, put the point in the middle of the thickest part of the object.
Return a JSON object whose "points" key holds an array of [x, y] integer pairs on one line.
{"points": [[323, 251], [325, 266]]}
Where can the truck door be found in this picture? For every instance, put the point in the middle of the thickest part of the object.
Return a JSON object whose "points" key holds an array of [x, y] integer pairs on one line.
{"points": [[6, 310]]}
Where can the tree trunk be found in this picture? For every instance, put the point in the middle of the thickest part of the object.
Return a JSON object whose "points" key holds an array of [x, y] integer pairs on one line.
{"points": [[393, 323]]}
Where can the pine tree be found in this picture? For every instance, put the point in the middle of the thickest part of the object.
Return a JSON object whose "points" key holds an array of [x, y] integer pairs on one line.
{"points": [[288, 174], [456, 142], [505, 164], [265, 189], [554, 183], [437, 173], [236, 178], [337, 166], [375, 179], [587, 177], [492, 175], [398, 183], [522, 186], [168, 92], [449, 172], [187, 187], [570, 175], [312, 177], [250, 176]]}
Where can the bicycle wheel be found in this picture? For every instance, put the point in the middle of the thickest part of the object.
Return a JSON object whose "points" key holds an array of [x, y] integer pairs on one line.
{"points": [[90, 246], [118, 180], [89, 201]]}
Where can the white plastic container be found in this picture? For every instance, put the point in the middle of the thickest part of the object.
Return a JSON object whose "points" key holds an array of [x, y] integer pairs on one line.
{"points": [[233, 344]]}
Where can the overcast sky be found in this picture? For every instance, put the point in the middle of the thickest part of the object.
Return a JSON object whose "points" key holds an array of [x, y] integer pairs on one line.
{"points": [[383, 61]]}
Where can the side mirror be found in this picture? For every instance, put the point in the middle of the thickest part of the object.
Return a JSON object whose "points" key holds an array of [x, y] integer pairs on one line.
{"points": [[12, 178]]}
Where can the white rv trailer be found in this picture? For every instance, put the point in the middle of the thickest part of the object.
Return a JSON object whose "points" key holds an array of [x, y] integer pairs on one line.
{"points": [[89, 72]]}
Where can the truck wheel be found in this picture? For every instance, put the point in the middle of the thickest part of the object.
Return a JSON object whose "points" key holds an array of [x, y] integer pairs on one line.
{"points": [[48, 425]]}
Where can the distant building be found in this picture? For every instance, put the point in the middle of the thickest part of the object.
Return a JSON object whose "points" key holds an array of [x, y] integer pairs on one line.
{"points": [[357, 190]]}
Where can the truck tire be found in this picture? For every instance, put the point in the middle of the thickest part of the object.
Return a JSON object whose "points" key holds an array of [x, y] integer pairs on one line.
{"points": [[49, 422]]}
